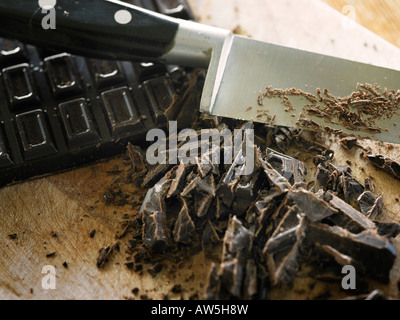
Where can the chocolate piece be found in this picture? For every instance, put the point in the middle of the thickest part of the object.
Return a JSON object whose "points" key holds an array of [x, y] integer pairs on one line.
{"points": [[178, 180], [250, 280], [155, 232], [210, 236], [293, 170], [370, 205], [315, 208], [105, 255], [388, 230], [386, 164], [236, 184], [340, 258], [155, 174], [202, 191], [376, 295], [349, 142], [274, 178], [135, 154], [352, 189], [281, 248], [323, 177], [184, 225], [348, 217], [200, 185], [227, 281], [369, 185], [214, 284], [366, 248]]}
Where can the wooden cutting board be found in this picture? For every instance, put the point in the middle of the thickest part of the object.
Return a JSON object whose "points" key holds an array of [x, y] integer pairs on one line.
{"points": [[56, 214]]}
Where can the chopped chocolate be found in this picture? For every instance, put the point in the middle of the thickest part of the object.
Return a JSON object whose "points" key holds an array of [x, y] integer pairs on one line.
{"points": [[135, 291], [154, 175], [315, 208], [323, 177], [184, 225], [50, 255], [105, 255], [388, 229], [228, 280], [210, 236], [176, 288], [274, 178], [348, 217], [293, 170], [365, 248], [370, 205], [263, 227], [340, 258], [156, 269], [155, 231], [351, 188], [369, 185], [349, 142], [136, 156], [386, 164], [178, 180]]}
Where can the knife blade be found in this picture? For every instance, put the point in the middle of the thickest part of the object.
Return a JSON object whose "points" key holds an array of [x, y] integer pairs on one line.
{"points": [[246, 79]]}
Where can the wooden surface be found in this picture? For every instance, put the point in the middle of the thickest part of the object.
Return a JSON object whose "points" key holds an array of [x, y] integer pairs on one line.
{"points": [[71, 204], [381, 17]]}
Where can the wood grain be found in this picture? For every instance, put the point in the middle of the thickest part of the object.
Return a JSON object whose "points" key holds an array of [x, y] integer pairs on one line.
{"points": [[381, 17]]}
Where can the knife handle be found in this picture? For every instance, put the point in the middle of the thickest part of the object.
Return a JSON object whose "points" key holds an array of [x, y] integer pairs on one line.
{"points": [[90, 28]]}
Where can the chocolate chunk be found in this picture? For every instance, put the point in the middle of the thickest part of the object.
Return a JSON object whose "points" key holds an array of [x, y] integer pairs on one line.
{"points": [[340, 258], [323, 177], [227, 281], [348, 217], [274, 178], [366, 248], [315, 208], [155, 232], [349, 142], [136, 156], [352, 189], [178, 179], [293, 170], [386, 164], [236, 183], [370, 205], [105, 255], [155, 174], [388, 230], [210, 236], [50, 255], [184, 225]]}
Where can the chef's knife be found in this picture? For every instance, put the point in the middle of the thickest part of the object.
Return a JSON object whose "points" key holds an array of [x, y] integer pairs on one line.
{"points": [[239, 68]]}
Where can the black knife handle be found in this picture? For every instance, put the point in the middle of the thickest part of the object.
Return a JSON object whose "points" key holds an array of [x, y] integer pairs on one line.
{"points": [[89, 28]]}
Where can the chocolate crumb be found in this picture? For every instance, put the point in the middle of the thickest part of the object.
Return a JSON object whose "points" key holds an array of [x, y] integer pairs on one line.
{"points": [[176, 288], [135, 291]]}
